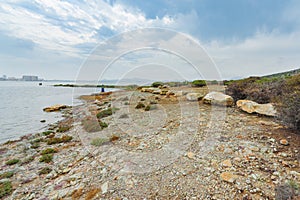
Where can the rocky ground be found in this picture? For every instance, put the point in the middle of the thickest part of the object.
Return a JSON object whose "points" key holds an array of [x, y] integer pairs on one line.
{"points": [[153, 146]]}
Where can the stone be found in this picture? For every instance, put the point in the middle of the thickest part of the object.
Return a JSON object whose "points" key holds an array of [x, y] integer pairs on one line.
{"points": [[55, 108], [156, 91], [150, 89], [104, 187], [253, 107], [178, 93], [218, 98], [43, 121], [228, 177], [284, 142], [194, 96], [227, 163], [190, 155]]}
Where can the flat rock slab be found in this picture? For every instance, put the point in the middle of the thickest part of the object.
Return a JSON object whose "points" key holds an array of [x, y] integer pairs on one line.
{"points": [[253, 107]]}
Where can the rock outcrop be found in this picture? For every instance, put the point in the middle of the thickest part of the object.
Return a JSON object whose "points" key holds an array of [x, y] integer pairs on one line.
{"points": [[55, 108], [194, 96], [218, 98], [253, 107]]}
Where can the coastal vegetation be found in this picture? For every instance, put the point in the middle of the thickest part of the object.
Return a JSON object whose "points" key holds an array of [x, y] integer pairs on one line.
{"points": [[5, 188], [12, 161], [283, 92]]}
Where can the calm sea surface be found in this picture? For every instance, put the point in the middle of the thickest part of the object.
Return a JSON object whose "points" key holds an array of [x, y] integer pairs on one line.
{"points": [[22, 103]]}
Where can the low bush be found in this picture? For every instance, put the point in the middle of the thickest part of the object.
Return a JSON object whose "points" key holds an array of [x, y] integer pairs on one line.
{"points": [[27, 160], [140, 105], [45, 170], [99, 141], [198, 83], [62, 129], [48, 151], [56, 140], [8, 174], [5, 188], [157, 84], [12, 162], [106, 112], [46, 133], [46, 158]]}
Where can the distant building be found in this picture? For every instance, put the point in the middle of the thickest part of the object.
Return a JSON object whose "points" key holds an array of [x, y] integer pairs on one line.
{"points": [[30, 78]]}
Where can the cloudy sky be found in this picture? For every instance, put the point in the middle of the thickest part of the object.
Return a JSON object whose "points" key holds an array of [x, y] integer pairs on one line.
{"points": [[55, 39]]}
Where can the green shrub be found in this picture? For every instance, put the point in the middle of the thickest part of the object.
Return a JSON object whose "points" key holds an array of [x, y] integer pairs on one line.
{"points": [[8, 174], [12, 161], [198, 83], [27, 160], [46, 158], [106, 113], [157, 84], [45, 170], [62, 129], [34, 145], [5, 188], [56, 140], [99, 141], [46, 133], [48, 151], [140, 105], [103, 124]]}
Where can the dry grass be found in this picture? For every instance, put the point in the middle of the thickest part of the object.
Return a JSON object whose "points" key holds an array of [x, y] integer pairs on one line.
{"points": [[77, 194], [92, 193]]}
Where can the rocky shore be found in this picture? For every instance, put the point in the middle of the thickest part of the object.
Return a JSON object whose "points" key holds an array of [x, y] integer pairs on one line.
{"points": [[166, 143]]}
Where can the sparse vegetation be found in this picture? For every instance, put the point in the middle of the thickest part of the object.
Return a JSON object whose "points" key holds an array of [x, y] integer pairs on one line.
{"points": [[27, 160], [46, 133], [8, 174], [64, 128], [106, 112], [157, 84], [56, 140], [46, 158], [140, 105], [93, 125], [92, 193], [5, 188], [45, 170], [283, 92], [12, 162], [48, 151], [198, 83], [99, 141]]}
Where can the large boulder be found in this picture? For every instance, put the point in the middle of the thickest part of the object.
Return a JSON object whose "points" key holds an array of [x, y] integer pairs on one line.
{"points": [[218, 98], [253, 107], [55, 108], [194, 96]]}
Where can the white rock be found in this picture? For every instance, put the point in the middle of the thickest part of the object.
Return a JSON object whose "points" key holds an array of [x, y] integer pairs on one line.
{"points": [[218, 98], [253, 107]]}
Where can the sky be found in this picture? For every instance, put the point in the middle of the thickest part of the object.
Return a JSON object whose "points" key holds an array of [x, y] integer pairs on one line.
{"points": [[166, 39]]}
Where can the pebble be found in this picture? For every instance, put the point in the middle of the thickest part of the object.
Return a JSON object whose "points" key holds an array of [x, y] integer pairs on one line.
{"points": [[104, 188], [190, 155], [228, 177], [284, 142], [227, 163]]}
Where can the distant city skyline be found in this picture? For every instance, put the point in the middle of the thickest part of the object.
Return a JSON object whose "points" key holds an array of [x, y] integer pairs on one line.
{"points": [[54, 38]]}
